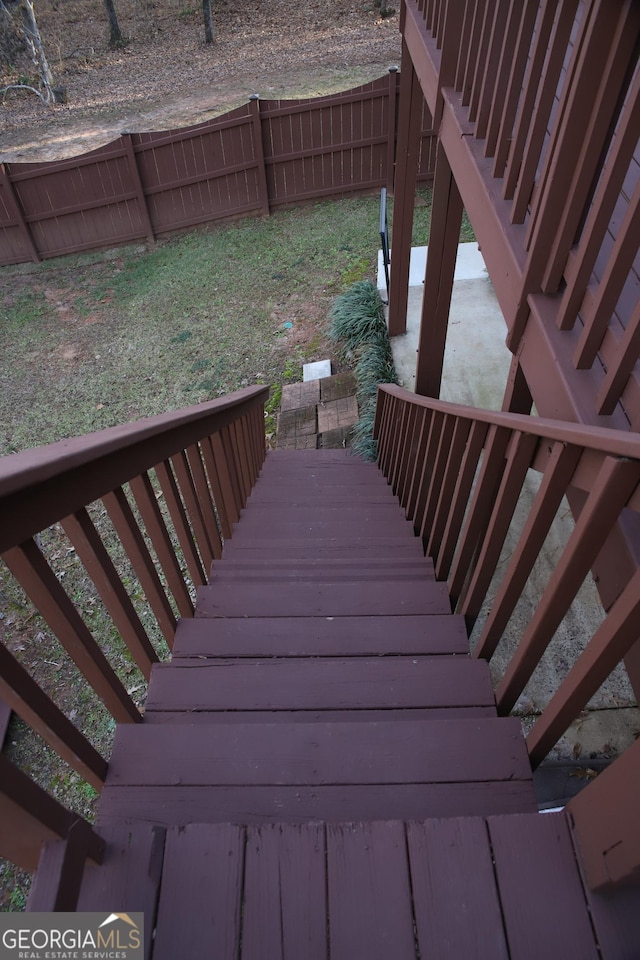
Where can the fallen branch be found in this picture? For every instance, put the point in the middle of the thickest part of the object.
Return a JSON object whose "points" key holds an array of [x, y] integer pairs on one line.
{"points": [[24, 86]]}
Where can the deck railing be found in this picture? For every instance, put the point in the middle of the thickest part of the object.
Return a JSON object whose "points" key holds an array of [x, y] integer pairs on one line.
{"points": [[155, 498], [460, 474], [543, 98]]}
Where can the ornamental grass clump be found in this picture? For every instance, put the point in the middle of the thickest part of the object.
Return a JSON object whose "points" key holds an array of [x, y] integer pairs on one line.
{"points": [[357, 320]]}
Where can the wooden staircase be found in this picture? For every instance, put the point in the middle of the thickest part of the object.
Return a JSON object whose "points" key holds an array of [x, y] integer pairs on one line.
{"points": [[320, 711]]}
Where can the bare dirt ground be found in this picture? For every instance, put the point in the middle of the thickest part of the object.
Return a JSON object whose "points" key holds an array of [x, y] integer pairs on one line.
{"points": [[166, 76]]}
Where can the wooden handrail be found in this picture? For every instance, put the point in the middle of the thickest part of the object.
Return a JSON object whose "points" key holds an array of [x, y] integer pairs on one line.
{"points": [[202, 462], [459, 472]]}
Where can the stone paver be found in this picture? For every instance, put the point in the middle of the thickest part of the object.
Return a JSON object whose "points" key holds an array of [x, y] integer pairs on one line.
{"points": [[337, 413], [300, 395], [337, 387]]}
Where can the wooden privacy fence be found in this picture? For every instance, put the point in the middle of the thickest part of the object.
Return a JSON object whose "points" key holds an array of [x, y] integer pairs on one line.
{"points": [[262, 155], [170, 488]]}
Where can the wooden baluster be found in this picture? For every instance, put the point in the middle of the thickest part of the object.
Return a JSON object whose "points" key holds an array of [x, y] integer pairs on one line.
{"points": [[621, 369], [610, 643], [519, 460], [500, 51], [180, 466], [433, 442], [124, 521], [38, 580], [423, 427], [95, 558], [464, 47], [215, 482], [226, 479], [180, 522], [239, 454], [482, 54], [398, 445], [30, 817], [20, 691], [477, 520], [611, 491], [437, 475], [205, 502], [390, 435], [454, 459], [597, 314], [407, 455], [58, 879], [460, 499], [227, 441], [540, 87], [145, 498], [504, 112], [472, 58], [562, 463], [579, 269], [619, 34]]}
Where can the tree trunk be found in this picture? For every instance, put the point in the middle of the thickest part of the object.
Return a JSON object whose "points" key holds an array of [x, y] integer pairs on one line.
{"points": [[115, 34], [34, 40], [208, 21]]}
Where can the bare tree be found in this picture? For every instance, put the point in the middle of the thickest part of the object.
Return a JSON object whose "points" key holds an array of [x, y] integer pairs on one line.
{"points": [[34, 41], [115, 34], [208, 21]]}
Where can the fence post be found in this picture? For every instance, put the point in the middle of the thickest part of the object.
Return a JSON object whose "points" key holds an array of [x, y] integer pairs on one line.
{"points": [[23, 226], [391, 143], [137, 184], [258, 147]]}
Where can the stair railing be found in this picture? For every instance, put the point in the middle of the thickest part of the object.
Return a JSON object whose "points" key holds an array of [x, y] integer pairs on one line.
{"points": [[464, 477], [461, 473], [143, 510]]}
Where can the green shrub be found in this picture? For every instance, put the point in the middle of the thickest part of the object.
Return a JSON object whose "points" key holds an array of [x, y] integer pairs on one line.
{"points": [[357, 320]]}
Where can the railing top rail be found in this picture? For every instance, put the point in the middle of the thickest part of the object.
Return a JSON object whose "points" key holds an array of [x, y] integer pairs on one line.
{"points": [[40, 486], [601, 439]]}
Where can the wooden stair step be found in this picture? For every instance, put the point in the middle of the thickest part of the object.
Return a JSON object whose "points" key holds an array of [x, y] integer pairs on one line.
{"points": [[331, 683], [176, 773], [324, 548], [272, 529], [222, 753], [321, 636], [304, 599], [446, 888], [239, 566], [326, 573], [297, 494]]}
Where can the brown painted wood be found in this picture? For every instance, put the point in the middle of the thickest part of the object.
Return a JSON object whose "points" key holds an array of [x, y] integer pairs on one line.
{"points": [[543, 902], [286, 569], [95, 557], [22, 694], [189, 495], [320, 716], [325, 684], [325, 548], [200, 898], [180, 522], [456, 903], [203, 494], [129, 878], [369, 892], [124, 521], [32, 571], [442, 751], [321, 636], [145, 498], [57, 881], [285, 889], [299, 804], [605, 823], [303, 599]]}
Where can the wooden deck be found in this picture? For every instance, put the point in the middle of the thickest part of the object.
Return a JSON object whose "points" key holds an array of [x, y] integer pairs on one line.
{"points": [[285, 794]]}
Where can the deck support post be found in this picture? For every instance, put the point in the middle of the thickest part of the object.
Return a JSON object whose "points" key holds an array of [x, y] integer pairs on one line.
{"points": [[605, 821], [444, 236], [517, 395], [406, 176]]}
